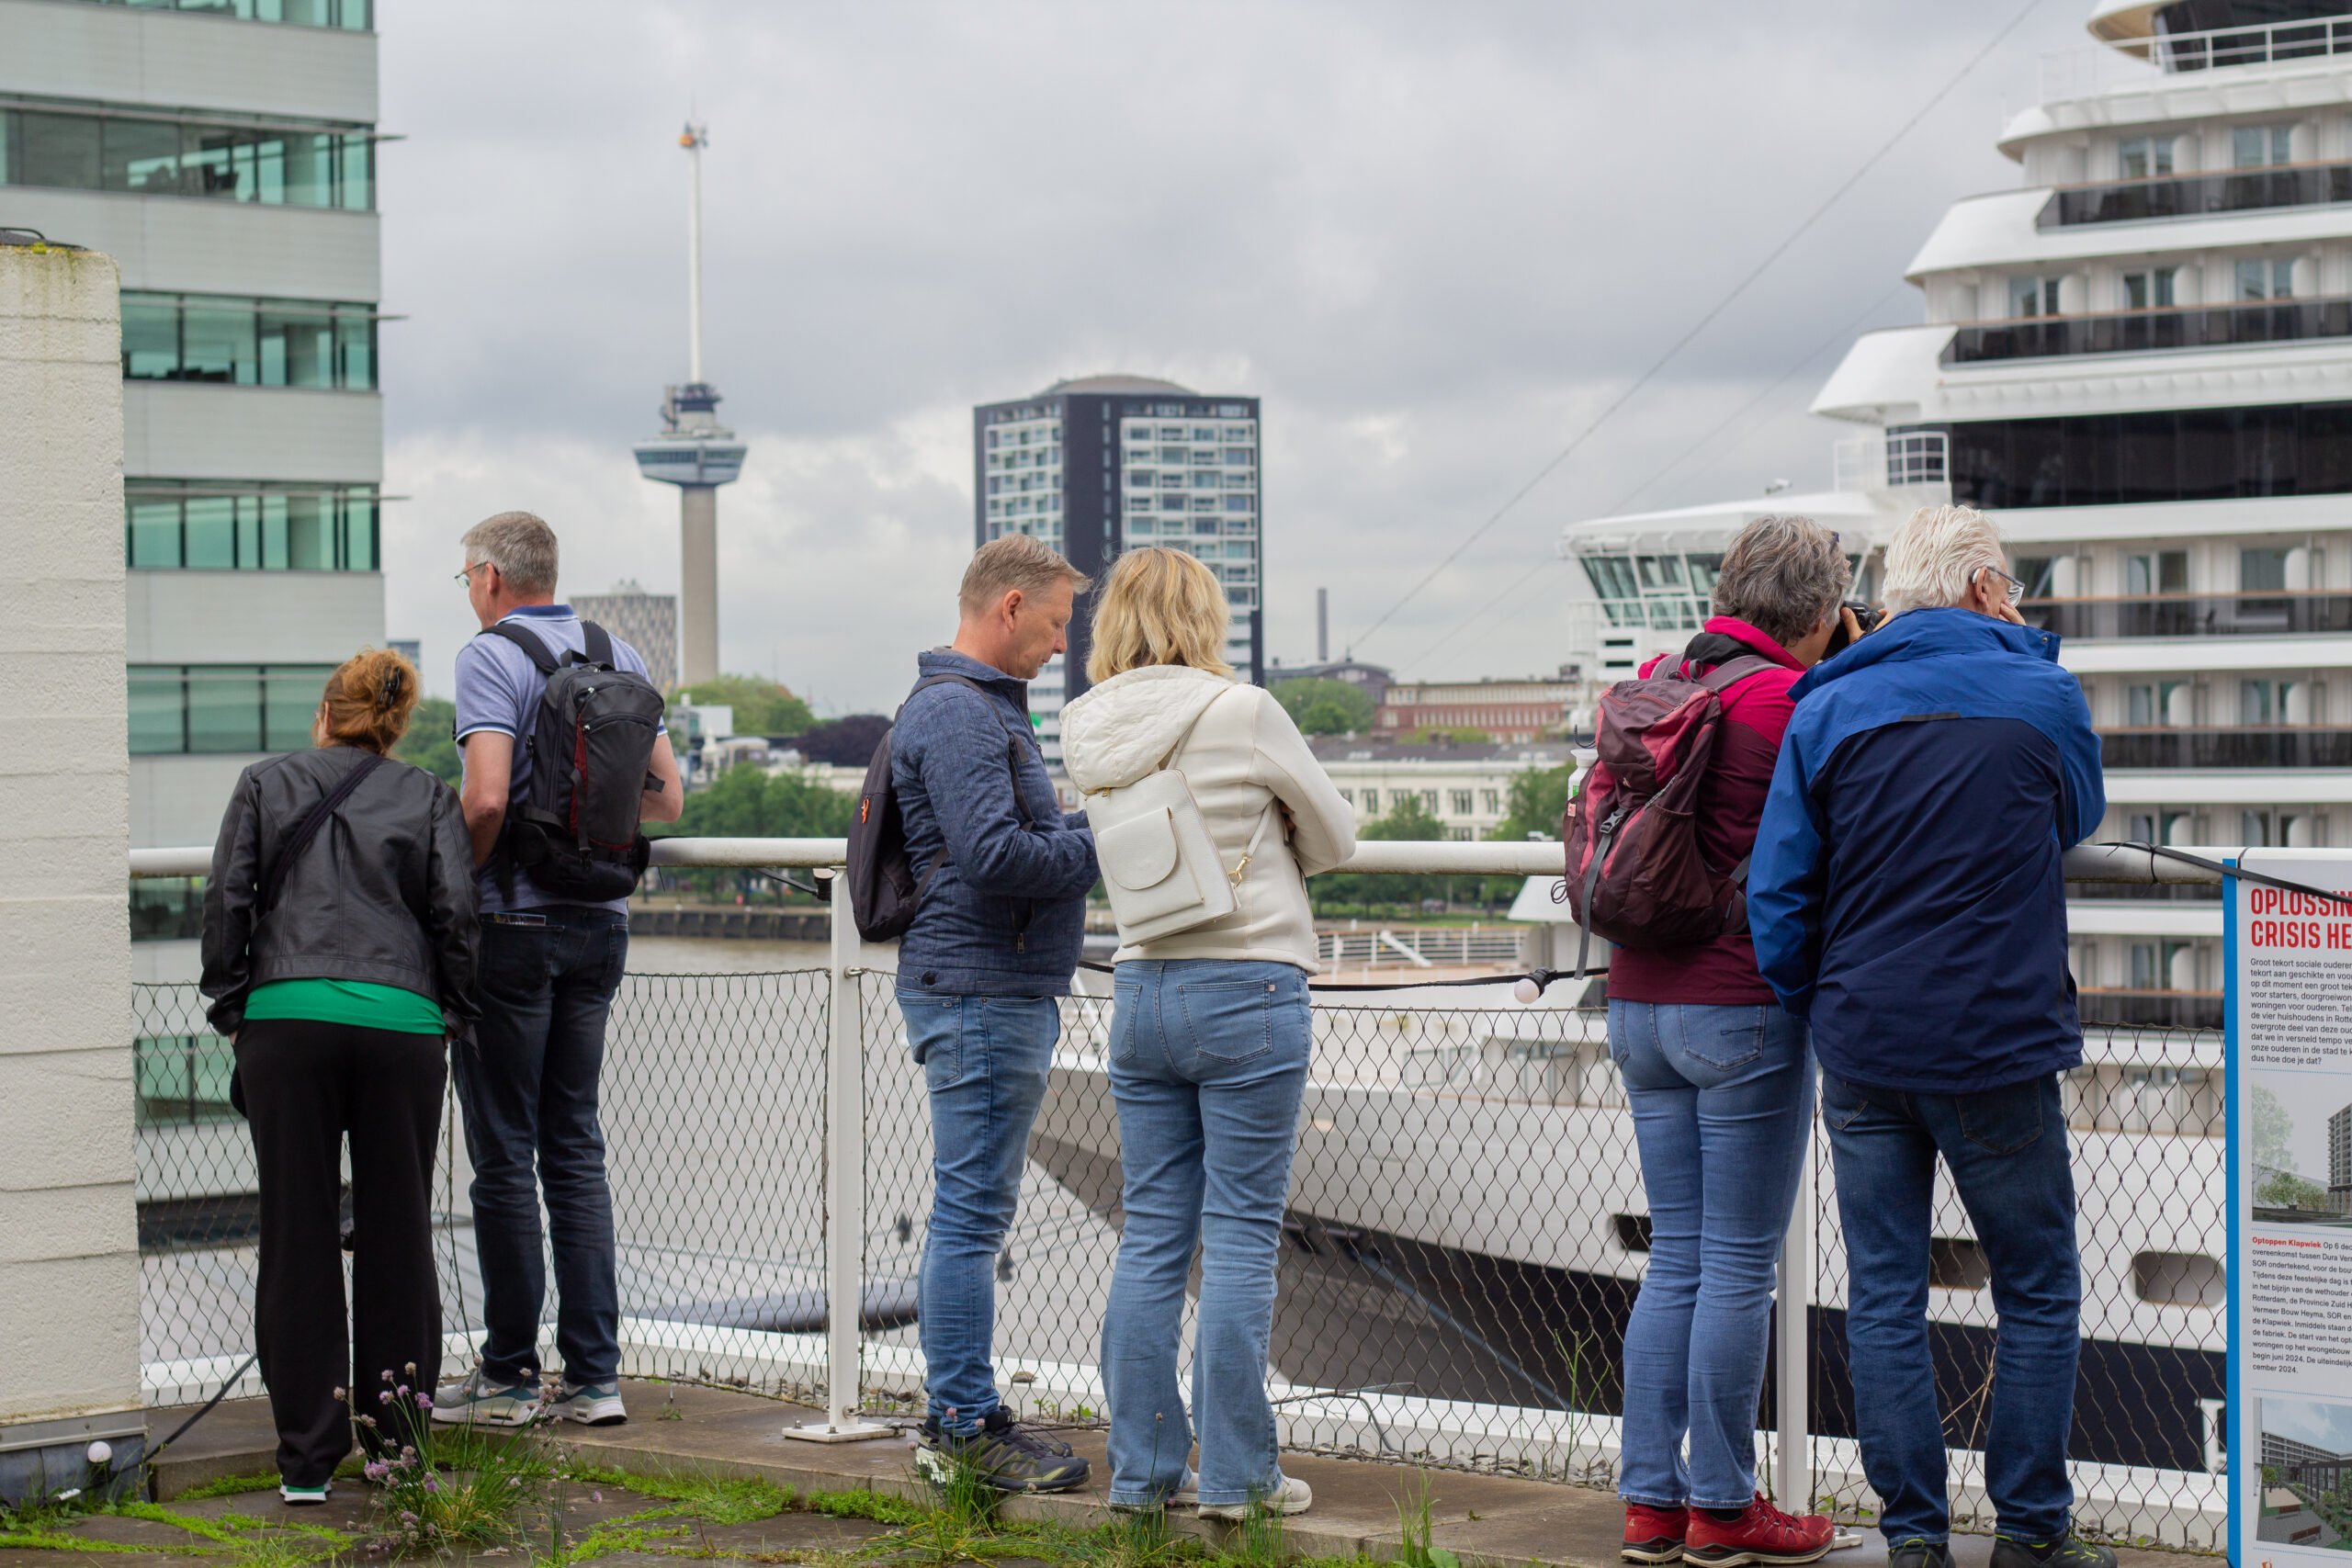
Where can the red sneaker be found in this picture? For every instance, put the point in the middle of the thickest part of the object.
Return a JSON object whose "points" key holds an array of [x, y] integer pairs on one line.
{"points": [[1761, 1535], [1655, 1535]]}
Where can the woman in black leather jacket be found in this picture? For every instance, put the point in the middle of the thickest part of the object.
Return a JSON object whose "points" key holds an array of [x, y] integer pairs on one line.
{"points": [[339, 943]]}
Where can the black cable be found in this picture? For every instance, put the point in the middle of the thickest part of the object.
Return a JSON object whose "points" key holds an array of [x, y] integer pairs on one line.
{"points": [[1542, 977], [2240, 873], [1739, 288], [210, 1405]]}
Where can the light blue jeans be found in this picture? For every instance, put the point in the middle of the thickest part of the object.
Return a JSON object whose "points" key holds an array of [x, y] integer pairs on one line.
{"points": [[985, 1060], [1722, 1099], [1208, 1063]]}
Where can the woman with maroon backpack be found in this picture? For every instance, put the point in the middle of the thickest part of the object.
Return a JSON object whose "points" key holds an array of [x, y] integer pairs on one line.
{"points": [[1721, 1083]]}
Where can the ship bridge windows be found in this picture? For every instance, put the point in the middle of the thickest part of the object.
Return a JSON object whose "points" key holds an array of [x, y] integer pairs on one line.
{"points": [[2156, 456], [1659, 572]]}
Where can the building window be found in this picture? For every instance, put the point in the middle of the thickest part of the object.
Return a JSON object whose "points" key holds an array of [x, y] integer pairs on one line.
{"points": [[2259, 146], [247, 343], [1461, 802], [2146, 157], [217, 527], [2149, 290], [2262, 569], [146, 155], [217, 708], [182, 1079], [1429, 801], [2034, 295], [1240, 503], [2163, 571], [2266, 278], [1491, 799], [348, 15], [2208, 454], [1371, 800]]}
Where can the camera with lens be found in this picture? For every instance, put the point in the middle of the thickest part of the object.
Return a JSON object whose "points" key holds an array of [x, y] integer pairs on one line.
{"points": [[1867, 616]]}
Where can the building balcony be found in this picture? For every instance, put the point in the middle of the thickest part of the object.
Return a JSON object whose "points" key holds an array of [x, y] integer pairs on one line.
{"points": [[2194, 614], [2198, 195], [2140, 332], [2250, 746]]}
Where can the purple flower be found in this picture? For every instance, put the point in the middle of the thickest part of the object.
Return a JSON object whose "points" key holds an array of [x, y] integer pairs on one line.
{"points": [[430, 1484], [385, 1397], [375, 1469], [403, 1390], [388, 1377], [369, 1422], [424, 1401], [599, 1496], [342, 1394]]}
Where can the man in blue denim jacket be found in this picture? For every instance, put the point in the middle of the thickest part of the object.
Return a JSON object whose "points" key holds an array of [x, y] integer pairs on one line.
{"points": [[992, 946]]}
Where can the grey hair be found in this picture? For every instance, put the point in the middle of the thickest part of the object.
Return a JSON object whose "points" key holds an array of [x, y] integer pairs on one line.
{"points": [[1012, 561], [1937, 553], [520, 544], [1783, 576]]}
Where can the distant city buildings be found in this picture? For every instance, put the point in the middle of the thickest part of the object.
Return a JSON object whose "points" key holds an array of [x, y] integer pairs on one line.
{"points": [[1465, 786], [647, 622], [1094, 466], [1370, 679], [1520, 711]]}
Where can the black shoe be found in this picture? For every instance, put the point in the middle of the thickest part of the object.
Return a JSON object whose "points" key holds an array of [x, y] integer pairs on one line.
{"points": [[1001, 1455], [1917, 1554], [2069, 1550]]}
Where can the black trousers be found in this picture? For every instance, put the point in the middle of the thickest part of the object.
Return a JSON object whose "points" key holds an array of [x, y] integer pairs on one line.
{"points": [[307, 1087]]}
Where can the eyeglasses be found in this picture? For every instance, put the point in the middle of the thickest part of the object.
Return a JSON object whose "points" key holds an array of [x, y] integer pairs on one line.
{"points": [[2015, 589], [466, 576]]}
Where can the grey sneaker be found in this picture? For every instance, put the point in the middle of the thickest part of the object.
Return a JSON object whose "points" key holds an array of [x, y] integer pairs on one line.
{"points": [[1001, 1455], [2069, 1550], [1293, 1497], [1917, 1554], [477, 1400], [590, 1404]]}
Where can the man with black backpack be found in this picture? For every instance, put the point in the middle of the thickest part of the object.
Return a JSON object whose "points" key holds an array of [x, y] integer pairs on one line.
{"points": [[558, 850], [998, 878]]}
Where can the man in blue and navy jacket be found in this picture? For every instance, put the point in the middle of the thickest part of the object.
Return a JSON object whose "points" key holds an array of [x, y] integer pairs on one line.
{"points": [[993, 945], [1907, 900]]}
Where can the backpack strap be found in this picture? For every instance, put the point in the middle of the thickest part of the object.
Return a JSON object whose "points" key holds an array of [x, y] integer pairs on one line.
{"points": [[1724, 676], [599, 649], [1011, 762], [309, 830], [529, 642]]}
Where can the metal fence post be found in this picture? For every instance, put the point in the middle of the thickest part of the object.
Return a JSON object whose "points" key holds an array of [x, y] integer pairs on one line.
{"points": [[844, 1136], [1792, 1402]]}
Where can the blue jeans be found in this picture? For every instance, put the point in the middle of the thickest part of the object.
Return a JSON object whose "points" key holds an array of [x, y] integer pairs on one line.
{"points": [[985, 1060], [1208, 1063], [1722, 1099], [2008, 1153], [528, 1089]]}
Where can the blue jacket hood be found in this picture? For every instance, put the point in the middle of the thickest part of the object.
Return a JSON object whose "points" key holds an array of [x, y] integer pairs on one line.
{"points": [[1929, 634]]}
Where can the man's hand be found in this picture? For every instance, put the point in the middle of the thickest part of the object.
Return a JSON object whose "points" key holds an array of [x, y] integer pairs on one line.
{"points": [[2008, 612], [1846, 618]]}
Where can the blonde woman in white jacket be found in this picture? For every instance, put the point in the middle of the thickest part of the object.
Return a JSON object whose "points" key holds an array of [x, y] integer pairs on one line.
{"points": [[1209, 1037]]}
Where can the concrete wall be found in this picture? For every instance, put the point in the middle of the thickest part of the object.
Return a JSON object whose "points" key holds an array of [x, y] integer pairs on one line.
{"points": [[173, 59], [69, 1245], [200, 245], [193, 431]]}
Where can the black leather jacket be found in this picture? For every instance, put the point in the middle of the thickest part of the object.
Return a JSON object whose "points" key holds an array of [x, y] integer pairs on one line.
{"points": [[384, 893]]}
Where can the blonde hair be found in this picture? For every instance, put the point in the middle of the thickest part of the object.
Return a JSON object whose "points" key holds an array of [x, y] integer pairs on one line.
{"points": [[369, 699], [1158, 606], [1937, 553], [1010, 562], [520, 544]]}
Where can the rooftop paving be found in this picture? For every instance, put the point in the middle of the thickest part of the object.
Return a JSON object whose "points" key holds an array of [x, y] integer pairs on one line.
{"points": [[624, 1511]]}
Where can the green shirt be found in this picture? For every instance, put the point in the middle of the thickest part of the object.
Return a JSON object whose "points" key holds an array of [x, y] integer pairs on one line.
{"points": [[355, 1002]]}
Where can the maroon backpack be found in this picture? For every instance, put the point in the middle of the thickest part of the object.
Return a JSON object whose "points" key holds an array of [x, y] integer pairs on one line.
{"points": [[1634, 871]]}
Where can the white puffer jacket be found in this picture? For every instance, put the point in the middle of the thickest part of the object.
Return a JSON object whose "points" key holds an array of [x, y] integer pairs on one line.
{"points": [[1243, 760]]}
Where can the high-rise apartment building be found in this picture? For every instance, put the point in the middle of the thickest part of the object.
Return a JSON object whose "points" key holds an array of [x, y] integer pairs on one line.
{"points": [[224, 156], [647, 622], [1094, 466]]}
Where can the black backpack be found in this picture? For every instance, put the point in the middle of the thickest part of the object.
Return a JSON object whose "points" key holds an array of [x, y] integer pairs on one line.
{"points": [[884, 892], [574, 833]]}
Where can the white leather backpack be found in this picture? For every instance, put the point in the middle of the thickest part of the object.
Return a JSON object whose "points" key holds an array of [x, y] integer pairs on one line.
{"points": [[1158, 860]]}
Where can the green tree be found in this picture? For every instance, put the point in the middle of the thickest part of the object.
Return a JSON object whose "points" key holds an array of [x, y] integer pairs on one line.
{"points": [[761, 707], [1535, 801], [2274, 1130], [429, 744], [1409, 818], [2285, 1190], [1324, 707], [747, 802]]}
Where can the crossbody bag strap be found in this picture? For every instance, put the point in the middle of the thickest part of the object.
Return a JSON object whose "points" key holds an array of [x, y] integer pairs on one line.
{"points": [[309, 828]]}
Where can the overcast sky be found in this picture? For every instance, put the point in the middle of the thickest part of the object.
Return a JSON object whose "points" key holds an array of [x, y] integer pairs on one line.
{"points": [[1435, 238]]}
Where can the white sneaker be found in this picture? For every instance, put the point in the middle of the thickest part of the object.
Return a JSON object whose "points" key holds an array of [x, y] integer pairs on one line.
{"points": [[591, 1404], [1293, 1497]]}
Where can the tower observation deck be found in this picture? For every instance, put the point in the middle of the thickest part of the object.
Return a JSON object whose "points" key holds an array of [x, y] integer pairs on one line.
{"points": [[695, 453]]}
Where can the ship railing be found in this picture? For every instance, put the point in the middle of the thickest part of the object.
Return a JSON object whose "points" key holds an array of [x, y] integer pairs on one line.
{"points": [[2275, 613], [2085, 71], [1467, 1234]]}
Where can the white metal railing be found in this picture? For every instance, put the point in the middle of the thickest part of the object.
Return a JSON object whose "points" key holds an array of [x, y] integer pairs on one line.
{"points": [[844, 1153], [2086, 70]]}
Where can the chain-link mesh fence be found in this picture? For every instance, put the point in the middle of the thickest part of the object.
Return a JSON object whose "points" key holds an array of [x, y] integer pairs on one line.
{"points": [[1465, 1235]]}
